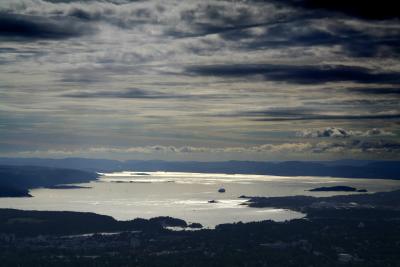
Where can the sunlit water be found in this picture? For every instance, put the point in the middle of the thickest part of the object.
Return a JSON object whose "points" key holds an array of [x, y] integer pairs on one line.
{"points": [[128, 195]]}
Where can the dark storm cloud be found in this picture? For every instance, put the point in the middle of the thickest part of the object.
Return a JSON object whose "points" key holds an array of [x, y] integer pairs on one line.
{"points": [[221, 17], [294, 27], [89, 1], [83, 14], [202, 29], [370, 46], [304, 114], [234, 22], [330, 117], [375, 10], [15, 27], [231, 21], [307, 32], [298, 74], [384, 9], [136, 16]]}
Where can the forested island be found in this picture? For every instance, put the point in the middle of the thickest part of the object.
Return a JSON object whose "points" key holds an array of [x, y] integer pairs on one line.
{"points": [[339, 188]]}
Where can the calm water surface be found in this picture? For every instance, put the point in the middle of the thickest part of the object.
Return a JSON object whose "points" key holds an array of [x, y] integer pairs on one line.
{"points": [[128, 195]]}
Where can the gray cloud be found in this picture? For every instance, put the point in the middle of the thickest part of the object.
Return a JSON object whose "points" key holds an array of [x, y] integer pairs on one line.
{"points": [[128, 93], [327, 132], [358, 146], [376, 90], [333, 132], [354, 146], [265, 148]]}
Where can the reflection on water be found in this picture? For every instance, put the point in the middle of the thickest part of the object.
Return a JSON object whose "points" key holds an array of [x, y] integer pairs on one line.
{"points": [[128, 195]]}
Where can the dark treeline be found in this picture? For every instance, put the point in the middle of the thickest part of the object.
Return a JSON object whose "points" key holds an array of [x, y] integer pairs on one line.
{"points": [[33, 223], [343, 238]]}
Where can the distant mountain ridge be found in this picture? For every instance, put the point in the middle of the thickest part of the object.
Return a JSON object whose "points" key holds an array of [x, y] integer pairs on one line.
{"points": [[340, 168]]}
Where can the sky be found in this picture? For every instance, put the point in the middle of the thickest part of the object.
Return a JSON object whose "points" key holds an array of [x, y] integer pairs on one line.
{"points": [[200, 80]]}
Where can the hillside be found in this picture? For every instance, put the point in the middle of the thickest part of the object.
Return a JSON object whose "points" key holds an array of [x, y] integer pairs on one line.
{"points": [[15, 181]]}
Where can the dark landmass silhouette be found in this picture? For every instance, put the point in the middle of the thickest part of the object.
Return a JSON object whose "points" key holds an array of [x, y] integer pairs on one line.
{"points": [[383, 200], [15, 181], [338, 235], [339, 188], [341, 168], [9, 191], [357, 230], [33, 223]]}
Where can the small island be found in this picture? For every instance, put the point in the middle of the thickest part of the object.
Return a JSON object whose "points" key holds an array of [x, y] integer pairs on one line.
{"points": [[339, 188]]}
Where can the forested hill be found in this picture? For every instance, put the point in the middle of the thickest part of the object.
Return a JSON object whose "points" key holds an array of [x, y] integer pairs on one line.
{"points": [[17, 180]]}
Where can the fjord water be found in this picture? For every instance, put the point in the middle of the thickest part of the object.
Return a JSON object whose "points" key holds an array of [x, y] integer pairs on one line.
{"points": [[129, 195]]}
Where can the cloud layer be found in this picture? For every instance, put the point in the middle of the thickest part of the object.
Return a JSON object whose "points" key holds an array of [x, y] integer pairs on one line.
{"points": [[262, 80]]}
